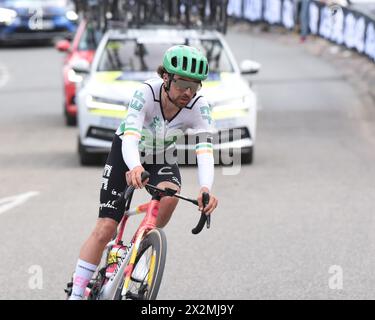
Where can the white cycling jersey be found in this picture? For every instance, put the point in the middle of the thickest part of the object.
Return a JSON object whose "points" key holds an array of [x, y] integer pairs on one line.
{"points": [[146, 130]]}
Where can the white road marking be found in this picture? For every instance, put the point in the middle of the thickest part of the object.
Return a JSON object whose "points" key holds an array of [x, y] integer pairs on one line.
{"points": [[14, 201], [4, 76]]}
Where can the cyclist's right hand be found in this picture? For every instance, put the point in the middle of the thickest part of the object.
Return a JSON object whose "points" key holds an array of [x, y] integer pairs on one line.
{"points": [[133, 177]]}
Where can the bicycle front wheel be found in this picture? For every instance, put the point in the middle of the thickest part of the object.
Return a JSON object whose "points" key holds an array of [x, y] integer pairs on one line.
{"points": [[148, 268]]}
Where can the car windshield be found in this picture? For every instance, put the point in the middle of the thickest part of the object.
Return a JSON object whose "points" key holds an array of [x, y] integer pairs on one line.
{"points": [[89, 39], [132, 56]]}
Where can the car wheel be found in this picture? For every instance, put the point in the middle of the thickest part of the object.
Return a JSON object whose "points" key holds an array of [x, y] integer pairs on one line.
{"points": [[70, 120], [87, 158], [247, 155]]}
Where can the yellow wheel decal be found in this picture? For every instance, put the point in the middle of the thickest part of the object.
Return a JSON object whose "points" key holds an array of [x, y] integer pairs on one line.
{"points": [[152, 268]]}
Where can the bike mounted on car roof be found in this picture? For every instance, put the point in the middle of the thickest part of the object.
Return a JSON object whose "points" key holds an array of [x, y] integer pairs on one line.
{"points": [[190, 14]]}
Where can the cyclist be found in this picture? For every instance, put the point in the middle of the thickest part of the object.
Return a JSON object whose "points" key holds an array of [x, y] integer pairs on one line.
{"points": [[160, 109]]}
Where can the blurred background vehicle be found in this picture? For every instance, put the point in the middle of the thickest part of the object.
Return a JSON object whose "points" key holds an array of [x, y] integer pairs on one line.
{"points": [[82, 47], [22, 20]]}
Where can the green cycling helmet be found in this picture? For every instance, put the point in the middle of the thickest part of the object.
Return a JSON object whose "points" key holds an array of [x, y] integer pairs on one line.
{"points": [[186, 61]]}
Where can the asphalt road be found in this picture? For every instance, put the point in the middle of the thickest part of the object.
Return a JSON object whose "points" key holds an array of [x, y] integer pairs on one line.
{"points": [[298, 224]]}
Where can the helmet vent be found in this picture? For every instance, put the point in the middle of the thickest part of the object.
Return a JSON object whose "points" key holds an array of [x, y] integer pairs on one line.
{"points": [[184, 63], [174, 62], [193, 65], [201, 67], [206, 70]]}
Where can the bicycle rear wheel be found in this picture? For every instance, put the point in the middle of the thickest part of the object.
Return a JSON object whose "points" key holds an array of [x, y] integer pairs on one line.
{"points": [[148, 268]]}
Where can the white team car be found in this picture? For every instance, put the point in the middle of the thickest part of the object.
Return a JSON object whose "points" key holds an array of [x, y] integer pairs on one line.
{"points": [[123, 60]]}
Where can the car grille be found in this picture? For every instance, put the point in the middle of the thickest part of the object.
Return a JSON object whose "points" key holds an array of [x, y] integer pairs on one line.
{"points": [[27, 17], [222, 136], [101, 134], [226, 135], [232, 135], [28, 30]]}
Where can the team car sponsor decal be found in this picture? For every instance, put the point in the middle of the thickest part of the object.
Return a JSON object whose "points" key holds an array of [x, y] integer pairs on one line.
{"points": [[107, 77], [114, 77]]}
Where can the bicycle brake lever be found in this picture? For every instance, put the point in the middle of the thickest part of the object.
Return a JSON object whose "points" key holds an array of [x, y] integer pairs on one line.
{"points": [[204, 219], [206, 200]]}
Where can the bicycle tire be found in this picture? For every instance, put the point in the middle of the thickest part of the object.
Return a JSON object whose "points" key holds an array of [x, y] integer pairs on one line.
{"points": [[156, 240]]}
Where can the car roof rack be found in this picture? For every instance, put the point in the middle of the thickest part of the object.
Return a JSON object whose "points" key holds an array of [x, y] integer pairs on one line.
{"points": [[124, 14]]}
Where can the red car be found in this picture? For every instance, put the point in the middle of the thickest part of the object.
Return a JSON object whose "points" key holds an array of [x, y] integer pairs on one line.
{"points": [[82, 47]]}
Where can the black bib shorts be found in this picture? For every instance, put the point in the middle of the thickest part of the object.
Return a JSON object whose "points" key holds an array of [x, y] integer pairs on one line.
{"points": [[114, 181]]}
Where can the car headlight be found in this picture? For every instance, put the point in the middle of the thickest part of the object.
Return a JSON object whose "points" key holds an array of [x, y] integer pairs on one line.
{"points": [[71, 15], [231, 108], [104, 104], [7, 16]]}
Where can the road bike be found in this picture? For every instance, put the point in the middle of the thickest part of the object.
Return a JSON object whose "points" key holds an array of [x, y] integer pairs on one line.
{"points": [[134, 272]]}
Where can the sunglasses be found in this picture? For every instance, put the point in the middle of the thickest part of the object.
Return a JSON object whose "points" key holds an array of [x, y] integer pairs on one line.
{"points": [[185, 84]]}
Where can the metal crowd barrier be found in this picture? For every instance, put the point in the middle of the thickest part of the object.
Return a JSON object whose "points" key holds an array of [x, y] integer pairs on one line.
{"points": [[341, 25]]}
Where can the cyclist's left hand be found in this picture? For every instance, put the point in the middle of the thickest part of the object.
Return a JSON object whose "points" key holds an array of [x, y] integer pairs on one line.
{"points": [[211, 205], [133, 177]]}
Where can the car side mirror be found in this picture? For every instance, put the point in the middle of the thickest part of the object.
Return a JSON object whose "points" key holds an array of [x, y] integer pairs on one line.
{"points": [[250, 67], [81, 66], [63, 45]]}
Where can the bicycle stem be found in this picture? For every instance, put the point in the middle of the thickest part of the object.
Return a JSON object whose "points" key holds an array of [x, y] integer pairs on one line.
{"points": [[171, 193], [127, 195]]}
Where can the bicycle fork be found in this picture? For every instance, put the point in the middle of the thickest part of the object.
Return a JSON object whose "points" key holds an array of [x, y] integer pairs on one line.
{"points": [[148, 223]]}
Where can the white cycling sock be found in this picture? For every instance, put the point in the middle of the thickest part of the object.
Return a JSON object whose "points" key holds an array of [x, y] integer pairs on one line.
{"points": [[82, 277]]}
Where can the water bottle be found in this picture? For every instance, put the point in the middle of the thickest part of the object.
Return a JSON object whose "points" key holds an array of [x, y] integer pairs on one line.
{"points": [[117, 252]]}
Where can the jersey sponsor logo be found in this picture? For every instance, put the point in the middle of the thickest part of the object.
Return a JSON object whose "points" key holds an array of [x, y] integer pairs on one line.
{"points": [[134, 104], [104, 183], [107, 205], [137, 101], [139, 96], [106, 173], [121, 128], [206, 113], [162, 171], [175, 179], [156, 123], [128, 121]]}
